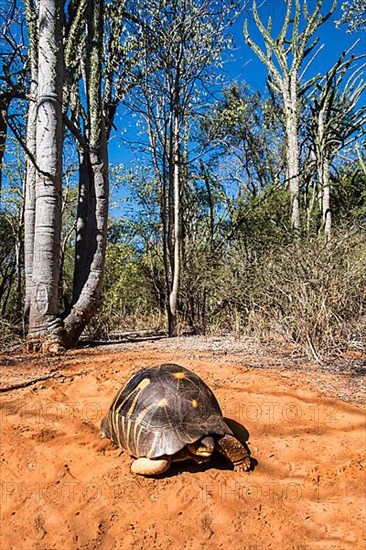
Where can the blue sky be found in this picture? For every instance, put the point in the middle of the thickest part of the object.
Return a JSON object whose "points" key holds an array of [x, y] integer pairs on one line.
{"points": [[241, 63], [247, 66]]}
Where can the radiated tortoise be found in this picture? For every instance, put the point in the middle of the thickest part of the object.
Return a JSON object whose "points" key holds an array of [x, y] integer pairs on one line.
{"points": [[167, 414]]}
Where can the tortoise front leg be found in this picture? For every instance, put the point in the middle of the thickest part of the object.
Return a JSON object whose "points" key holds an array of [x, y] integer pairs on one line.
{"points": [[149, 466], [231, 448]]}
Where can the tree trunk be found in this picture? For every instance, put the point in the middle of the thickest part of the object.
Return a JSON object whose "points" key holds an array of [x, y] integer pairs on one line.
{"points": [[166, 262], [82, 218], [30, 160], [44, 320], [326, 202], [292, 153], [293, 177], [94, 252], [3, 132], [173, 298], [92, 221], [30, 198], [323, 169], [19, 244], [206, 179]]}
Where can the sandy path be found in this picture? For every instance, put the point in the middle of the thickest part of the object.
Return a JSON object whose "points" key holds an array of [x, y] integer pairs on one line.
{"points": [[63, 487]]}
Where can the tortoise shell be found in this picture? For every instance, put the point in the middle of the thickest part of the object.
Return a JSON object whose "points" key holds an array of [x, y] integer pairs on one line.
{"points": [[160, 410]]}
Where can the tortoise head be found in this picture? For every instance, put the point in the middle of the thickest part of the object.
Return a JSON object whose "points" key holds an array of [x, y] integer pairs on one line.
{"points": [[105, 427], [203, 448]]}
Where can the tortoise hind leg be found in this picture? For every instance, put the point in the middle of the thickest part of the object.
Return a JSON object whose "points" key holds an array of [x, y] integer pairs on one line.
{"points": [[149, 466], [231, 448]]}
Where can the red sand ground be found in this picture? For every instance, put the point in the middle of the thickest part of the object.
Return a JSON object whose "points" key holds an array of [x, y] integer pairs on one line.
{"points": [[63, 487]]}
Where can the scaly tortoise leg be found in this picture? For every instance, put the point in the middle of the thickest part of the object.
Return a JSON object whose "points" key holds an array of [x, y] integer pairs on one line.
{"points": [[149, 466], [231, 448]]}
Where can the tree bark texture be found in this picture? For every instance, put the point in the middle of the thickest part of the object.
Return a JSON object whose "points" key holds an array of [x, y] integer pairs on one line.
{"points": [[30, 197], [44, 307], [91, 249], [92, 219], [30, 159]]}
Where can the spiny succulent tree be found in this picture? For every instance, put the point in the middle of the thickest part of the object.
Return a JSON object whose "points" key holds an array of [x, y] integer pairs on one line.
{"points": [[337, 120], [285, 57]]}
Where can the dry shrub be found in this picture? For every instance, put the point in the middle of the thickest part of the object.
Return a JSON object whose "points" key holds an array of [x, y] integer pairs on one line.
{"points": [[311, 292], [10, 334]]}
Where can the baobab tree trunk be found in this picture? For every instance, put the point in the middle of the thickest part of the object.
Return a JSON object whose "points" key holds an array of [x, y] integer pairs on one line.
{"points": [[30, 159], [93, 192], [30, 197], [89, 280], [44, 319]]}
